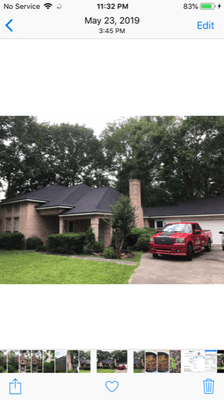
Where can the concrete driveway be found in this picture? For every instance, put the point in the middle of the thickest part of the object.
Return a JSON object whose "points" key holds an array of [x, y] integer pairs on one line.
{"points": [[204, 268]]}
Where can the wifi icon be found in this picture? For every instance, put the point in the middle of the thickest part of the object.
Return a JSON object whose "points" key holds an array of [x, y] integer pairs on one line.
{"points": [[48, 5]]}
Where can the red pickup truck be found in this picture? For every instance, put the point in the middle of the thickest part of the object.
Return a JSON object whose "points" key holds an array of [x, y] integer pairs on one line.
{"points": [[180, 239]]}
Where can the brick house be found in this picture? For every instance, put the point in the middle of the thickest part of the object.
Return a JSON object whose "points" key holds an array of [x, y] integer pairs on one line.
{"points": [[36, 361], [72, 363], [60, 209], [107, 363]]}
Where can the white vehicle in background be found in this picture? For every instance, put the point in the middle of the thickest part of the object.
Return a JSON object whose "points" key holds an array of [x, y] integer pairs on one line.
{"points": [[222, 239]]}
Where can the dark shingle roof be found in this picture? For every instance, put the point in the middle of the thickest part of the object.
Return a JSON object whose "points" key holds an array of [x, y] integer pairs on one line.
{"points": [[96, 200], [48, 193], [212, 205], [82, 360], [107, 361]]}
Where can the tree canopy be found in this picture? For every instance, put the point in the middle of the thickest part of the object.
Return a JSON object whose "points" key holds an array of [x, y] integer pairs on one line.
{"points": [[175, 158]]}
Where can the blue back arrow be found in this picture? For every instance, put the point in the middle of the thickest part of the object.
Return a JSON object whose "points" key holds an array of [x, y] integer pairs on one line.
{"points": [[7, 25]]}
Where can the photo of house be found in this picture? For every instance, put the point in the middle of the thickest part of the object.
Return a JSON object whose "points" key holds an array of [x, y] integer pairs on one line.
{"points": [[25, 361], [49, 361], [60, 360], [84, 361], [72, 361], [139, 361], [13, 361], [3, 361], [112, 361], [37, 361], [220, 361]]}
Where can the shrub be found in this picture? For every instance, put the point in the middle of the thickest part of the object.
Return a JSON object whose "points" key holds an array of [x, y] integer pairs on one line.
{"points": [[108, 253], [33, 242], [87, 249], [138, 239], [10, 241], [1, 369], [41, 248], [11, 368], [49, 366], [66, 243], [86, 368], [98, 246], [90, 238]]}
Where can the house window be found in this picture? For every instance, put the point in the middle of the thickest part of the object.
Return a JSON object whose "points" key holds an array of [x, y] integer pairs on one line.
{"points": [[70, 226], [8, 225], [16, 224], [17, 209], [152, 223]]}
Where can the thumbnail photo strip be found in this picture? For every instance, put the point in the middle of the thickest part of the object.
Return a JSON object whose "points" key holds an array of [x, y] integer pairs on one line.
{"points": [[112, 361]]}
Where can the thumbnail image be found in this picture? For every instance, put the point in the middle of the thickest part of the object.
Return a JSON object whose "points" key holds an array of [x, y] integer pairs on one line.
{"points": [[13, 361], [151, 361], [25, 361], [84, 361], [175, 361], [163, 361], [220, 361], [3, 361], [60, 360], [37, 361], [72, 361], [112, 361], [49, 358], [139, 361]]}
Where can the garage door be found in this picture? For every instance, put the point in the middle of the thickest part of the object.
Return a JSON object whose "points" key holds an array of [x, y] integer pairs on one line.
{"points": [[213, 224]]}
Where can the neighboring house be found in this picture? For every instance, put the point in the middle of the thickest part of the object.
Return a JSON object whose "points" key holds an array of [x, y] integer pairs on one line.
{"points": [[84, 363], [70, 364], [36, 361], [60, 209], [107, 363], [61, 364]]}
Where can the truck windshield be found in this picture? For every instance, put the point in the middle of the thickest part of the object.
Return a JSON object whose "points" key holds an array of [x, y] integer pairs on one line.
{"points": [[184, 228]]}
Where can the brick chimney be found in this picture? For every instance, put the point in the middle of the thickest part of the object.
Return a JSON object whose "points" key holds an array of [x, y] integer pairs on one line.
{"points": [[135, 196]]}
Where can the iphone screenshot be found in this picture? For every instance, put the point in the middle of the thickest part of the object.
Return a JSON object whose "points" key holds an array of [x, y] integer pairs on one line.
{"points": [[111, 200]]}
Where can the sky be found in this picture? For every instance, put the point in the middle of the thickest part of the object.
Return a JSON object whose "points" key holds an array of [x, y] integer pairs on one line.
{"points": [[97, 122]]}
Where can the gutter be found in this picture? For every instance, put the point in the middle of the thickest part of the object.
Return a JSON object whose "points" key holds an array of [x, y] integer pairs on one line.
{"points": [[184, 216], [91, 213]]}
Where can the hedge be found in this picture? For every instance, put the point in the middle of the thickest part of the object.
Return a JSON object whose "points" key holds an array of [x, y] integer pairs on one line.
{"points": [[10, 241], [138, 239], [33, 242], [66, 243]]}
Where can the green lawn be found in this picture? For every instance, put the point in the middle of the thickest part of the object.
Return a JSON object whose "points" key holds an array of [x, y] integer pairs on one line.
{"points": [[82, 371], [138, 371], [103, 371], [28, 267]]}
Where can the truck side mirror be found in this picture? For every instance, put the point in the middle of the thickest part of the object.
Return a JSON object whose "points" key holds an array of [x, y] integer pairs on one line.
{"points": [[197, 231]]}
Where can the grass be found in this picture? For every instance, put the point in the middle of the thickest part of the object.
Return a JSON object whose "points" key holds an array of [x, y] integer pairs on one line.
{"points": [[28, 267], [138, 371], [82, 371], [103, 371]]}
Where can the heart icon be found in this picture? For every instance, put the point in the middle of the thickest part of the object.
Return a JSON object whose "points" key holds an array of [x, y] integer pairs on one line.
{"points": [[112, 386]]}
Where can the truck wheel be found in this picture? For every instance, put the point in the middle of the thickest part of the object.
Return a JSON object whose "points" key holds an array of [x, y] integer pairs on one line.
{"points": [[209, 246], [189, 252], [155, 255]]}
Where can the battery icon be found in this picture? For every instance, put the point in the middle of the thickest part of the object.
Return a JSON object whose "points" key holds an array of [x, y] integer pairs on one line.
{"points": [[207, 6]]}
